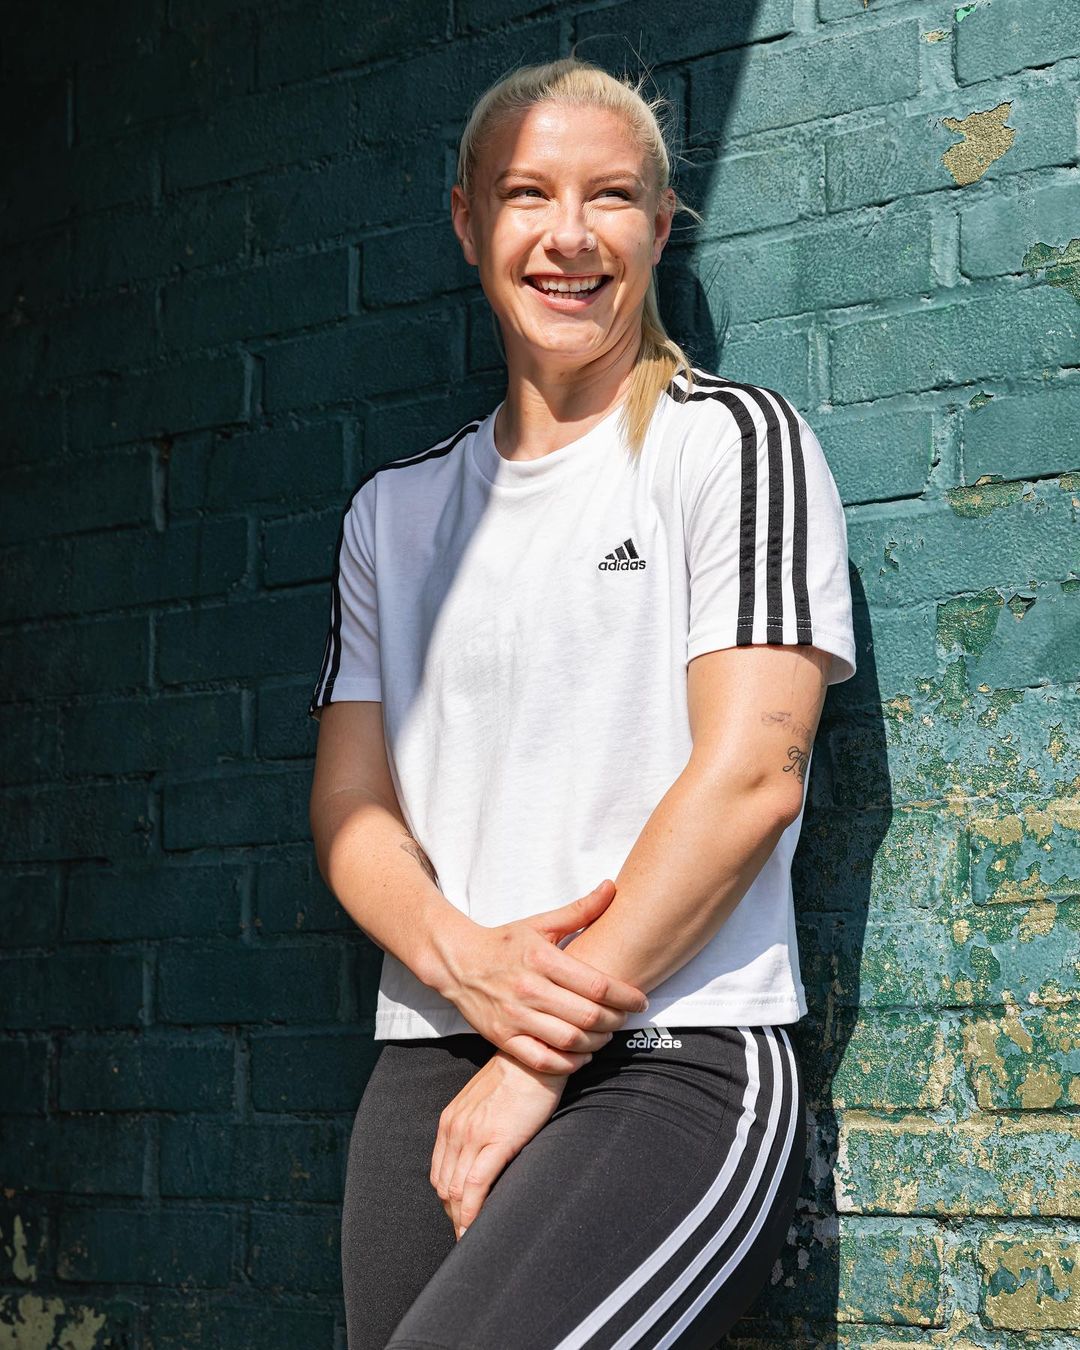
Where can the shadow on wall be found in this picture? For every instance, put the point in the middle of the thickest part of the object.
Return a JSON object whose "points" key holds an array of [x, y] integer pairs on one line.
{"points": [[844, 823]]}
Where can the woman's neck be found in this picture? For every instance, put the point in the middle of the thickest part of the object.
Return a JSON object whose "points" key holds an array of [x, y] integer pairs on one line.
{"points": [[545, 410]]}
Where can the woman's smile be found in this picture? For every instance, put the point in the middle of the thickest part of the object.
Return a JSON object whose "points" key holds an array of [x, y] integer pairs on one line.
{"points": [[568, 294]]}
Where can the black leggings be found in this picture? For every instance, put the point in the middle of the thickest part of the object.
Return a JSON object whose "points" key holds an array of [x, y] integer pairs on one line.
{"points": [[647, 1212]]}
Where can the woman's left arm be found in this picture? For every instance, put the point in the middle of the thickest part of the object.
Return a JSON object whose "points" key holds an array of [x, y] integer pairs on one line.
{"points": [[754, 712]]}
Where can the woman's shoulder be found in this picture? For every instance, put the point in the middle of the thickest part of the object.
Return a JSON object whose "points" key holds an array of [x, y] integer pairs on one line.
{"points": [[420, 462], [715, 419], [710, 394]]}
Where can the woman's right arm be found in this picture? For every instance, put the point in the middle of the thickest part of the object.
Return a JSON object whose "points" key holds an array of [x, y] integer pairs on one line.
{"points": [[512, 983], [366, 852]]}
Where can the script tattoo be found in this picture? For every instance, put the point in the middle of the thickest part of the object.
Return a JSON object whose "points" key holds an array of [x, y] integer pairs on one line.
{"points": [[798, 761], [798, 754], [413, 849]]}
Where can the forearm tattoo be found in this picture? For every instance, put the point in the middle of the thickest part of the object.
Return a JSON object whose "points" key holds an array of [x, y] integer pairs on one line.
{"points": [[799, 753], [413, 849]]}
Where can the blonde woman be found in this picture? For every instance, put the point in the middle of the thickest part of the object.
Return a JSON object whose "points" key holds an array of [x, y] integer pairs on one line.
{"points": [[577, 656]]}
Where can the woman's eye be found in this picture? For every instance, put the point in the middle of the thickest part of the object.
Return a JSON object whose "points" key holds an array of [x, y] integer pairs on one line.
{"points": [[619, 192]]}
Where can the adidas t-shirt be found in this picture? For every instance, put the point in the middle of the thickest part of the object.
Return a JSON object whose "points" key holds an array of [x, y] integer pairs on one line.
{"points": [[527, 625]]}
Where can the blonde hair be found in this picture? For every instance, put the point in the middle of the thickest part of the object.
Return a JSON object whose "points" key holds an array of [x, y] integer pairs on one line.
{"points": [[572, 81]]}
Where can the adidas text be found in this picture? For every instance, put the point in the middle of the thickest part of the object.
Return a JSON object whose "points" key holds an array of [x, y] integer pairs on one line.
{"points": [[651, 1040], [625, 558]]}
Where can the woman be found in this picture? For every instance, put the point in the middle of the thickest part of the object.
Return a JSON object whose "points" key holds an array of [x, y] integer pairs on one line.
{"points": [[585, 636]]}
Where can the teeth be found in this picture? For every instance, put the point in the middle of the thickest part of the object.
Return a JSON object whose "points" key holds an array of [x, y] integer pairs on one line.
{"points": [[572, 287]]}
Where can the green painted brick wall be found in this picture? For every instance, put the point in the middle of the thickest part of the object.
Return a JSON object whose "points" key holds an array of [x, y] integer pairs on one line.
{"points": [[230, 287]]}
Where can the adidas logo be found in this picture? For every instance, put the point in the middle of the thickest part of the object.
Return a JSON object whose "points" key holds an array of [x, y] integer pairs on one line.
{"points": [[623, 559], [652, 1038]]}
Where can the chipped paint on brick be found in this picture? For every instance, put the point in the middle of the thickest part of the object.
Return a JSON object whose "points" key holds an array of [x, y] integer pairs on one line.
{"points": [[993, 1165], [984, 1060], [1030, 1284], [22, 1268], [979, 1165], [986, 139], [1023, 1060], [942, 1068], [969, 621], [29, 1322], [1030, 856], [890, 1274], [1040, 1089], [1060, 265], [895, 1059], [856, 1340], [983, 497]]}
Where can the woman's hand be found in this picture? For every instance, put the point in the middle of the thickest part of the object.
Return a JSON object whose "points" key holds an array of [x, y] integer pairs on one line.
{"points": [[544, 1007], [489, 1122]]}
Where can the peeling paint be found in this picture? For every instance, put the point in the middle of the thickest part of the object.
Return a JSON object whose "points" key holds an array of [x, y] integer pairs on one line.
{"points": [[986, 139], [993, 1165], [982, 498], [1023, 1061], [936, 35], [1029, 1284], [978, 401], [22, 1268], [1061, 265], [32, 1323], [942, 1069], [969, 621]]}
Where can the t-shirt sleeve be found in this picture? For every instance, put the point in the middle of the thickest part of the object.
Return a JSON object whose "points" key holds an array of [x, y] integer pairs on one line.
{"points": [[766, 538], [350, 665]]}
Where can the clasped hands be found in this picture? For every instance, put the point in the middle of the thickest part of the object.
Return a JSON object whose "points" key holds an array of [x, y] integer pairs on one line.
{"points": [[546, 1012]]}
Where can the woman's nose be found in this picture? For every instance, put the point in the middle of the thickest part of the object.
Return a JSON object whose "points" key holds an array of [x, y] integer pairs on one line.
{"points": [[570, 233]]}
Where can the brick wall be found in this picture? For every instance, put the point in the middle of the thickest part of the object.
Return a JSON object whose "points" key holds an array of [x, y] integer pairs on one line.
{"points": [[231, 287]]}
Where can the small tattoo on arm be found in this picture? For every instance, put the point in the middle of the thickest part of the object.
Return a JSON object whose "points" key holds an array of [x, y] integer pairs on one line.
{"points": [[797, 761], [413, 849], [798, 758], [784, 718]]}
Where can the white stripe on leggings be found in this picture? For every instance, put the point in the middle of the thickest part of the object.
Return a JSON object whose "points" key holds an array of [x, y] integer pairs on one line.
{"points": [[622, 1294], [714, 1243]]}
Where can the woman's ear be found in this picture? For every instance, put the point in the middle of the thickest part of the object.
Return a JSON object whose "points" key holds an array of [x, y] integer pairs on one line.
{"points": [[461, 218]]}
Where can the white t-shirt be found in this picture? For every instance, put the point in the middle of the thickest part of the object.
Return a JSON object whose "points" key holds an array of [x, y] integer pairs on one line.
{"points": [[527, 626]]}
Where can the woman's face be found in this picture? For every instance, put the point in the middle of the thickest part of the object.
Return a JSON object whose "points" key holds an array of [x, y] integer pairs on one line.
{"points": [[561, 194]]}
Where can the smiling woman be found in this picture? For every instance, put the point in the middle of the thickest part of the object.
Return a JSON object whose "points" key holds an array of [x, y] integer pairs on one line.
{"points": [[586, 635]]}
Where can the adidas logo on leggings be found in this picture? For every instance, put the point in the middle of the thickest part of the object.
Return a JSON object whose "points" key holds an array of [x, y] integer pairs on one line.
{"points": [[652, 1038]]}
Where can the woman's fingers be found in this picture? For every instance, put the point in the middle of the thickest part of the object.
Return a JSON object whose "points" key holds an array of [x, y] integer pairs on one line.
{"points": [[477, 1181], [455, 1181], [592, 986], [437, 1156], [538, 1055], [556, 1028]]}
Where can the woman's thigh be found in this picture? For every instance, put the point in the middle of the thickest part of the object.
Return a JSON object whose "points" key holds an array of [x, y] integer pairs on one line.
{"points": [[648, 1211], [394, 1231]]}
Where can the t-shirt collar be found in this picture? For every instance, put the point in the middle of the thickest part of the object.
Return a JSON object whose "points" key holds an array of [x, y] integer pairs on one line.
{"points": [[554, 467]]}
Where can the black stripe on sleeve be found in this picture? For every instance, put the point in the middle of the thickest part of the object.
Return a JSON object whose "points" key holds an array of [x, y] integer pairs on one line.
{"points": [[713, 387], [331, 661]]}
